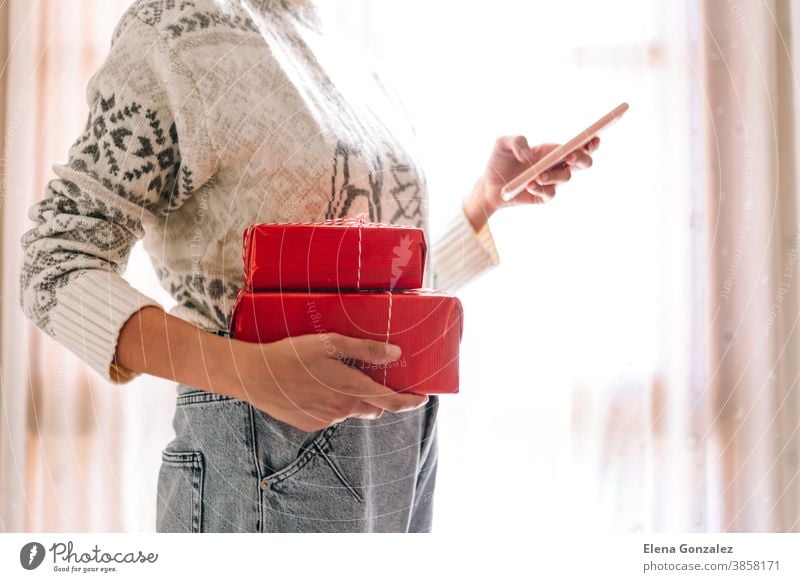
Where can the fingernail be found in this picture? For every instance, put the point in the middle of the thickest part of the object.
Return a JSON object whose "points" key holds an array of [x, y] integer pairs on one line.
{"points": [[392, 351], [544, 176], [571, 158]]}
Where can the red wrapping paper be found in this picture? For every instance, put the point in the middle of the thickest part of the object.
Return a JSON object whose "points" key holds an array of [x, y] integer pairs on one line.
{"points": [[426, 324], [343, 254]]}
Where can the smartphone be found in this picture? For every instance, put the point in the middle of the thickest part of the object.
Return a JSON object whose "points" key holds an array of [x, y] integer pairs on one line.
{"points": [[559, 154]]}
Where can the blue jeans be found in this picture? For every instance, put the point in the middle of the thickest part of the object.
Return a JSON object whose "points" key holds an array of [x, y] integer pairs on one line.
{"points": [[234, 468]]}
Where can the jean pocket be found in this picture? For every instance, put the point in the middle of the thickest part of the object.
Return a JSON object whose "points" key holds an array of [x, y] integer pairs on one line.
{"points": [[287, 451], [180, 492]]}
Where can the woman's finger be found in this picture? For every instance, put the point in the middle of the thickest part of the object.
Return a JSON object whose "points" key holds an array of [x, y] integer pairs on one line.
{"points": [[545, 192], [349, 348], [554, 175], [592, 144], [579, 159], [518, 146], [527, 197], [366, 411]]}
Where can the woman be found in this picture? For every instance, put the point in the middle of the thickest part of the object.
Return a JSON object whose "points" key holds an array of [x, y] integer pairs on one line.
{"points": [[208, 116]]}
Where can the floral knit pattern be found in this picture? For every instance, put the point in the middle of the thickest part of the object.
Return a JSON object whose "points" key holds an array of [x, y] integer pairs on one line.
{"points": [[131, 151]]}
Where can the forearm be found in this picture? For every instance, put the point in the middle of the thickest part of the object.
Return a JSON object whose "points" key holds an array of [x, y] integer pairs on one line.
{"points": [[157, 343]]}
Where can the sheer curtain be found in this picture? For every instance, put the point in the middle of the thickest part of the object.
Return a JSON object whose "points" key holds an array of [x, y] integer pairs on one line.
{"points": [[76, 454], [633, 363], [751, 155], [577, 372]]}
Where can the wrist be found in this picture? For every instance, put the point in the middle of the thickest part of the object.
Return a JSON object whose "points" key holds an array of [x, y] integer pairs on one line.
{"points": [[231, 371], [477, 207], [221, 355], [200, 359], [159, 344]]}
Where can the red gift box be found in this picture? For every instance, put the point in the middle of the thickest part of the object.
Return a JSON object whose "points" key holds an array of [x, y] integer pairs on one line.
{"points": [[342, 254], [426, 324]]}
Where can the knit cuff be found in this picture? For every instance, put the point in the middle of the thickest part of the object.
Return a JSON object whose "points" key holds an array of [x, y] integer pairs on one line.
{"points": [[463, 254], [90, 312]]}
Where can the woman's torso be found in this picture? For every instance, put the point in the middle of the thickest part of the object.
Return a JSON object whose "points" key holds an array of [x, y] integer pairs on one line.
{"points": [[303, 130]]}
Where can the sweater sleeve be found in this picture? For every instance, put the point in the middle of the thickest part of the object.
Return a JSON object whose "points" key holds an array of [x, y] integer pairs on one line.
{"points": [[123, 173], [460, 254]]}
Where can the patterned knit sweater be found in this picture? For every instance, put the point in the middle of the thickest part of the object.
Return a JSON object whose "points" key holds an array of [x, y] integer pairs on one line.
{"points": [[207, 116]]}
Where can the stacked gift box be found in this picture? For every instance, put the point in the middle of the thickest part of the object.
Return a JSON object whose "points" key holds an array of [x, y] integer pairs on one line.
{"points": [[355, 278]]}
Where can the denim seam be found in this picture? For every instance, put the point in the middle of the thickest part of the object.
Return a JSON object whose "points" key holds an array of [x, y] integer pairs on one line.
{"points": [[425, 451], [197, 483], [185, 399], [192, 460], [257, 465], [181, 458], [339, 474], [427, 435], [309, 453]]}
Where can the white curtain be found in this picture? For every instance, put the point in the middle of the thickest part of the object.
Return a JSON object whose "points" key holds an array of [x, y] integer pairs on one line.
{"points": [[76, 454], [751, 153]]}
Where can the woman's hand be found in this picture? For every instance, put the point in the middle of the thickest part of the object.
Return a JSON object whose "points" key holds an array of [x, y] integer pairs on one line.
{"points": [[510, 157], [304, 382]]}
